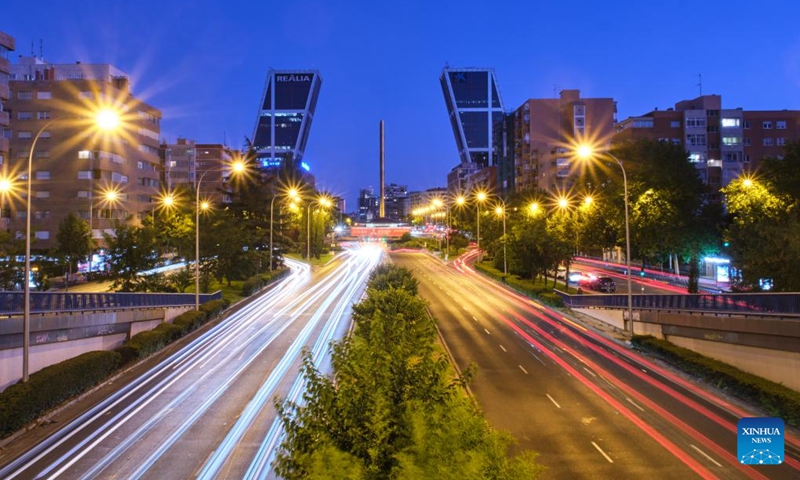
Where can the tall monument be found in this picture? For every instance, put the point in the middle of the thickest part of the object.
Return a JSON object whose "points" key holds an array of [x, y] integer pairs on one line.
{"points": [[381, 202]]}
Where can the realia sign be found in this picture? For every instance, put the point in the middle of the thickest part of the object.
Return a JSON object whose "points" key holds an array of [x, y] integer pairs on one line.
{"points": [[293, 78]]}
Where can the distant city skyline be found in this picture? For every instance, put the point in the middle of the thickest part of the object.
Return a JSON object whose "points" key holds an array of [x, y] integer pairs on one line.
{"points": [[205, 67]]}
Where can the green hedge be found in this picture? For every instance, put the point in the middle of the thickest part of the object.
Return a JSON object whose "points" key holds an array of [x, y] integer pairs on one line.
{"points": [[543, 294], [256, 282], [189, 321], [774, 398], [22, 403]]}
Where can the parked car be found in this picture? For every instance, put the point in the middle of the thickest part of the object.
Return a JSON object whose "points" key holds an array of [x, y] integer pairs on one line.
{"points": [[603, 284], [560, 272]]}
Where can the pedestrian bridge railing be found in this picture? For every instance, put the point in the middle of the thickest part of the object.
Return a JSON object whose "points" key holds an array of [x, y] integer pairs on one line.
{"points": [[12, 303], [772, 304]]}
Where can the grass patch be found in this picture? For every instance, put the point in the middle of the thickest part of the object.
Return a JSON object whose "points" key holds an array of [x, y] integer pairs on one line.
{"points": [[322, 260]]}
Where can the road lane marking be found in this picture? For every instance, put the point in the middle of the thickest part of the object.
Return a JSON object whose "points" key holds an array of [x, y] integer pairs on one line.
{"points": [[557, 349], [705, 455], [523, 369], [504, 348], [487, 331], [645, 371], [475, 319], [465, 308], [590, 372], [537, 358], [604, 453], [551, 399], [635, 405]]}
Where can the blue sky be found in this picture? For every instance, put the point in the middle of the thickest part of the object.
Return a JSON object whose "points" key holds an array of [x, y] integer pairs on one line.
{"points": [[204, 66]]}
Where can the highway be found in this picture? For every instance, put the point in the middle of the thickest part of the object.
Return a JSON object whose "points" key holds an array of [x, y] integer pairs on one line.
{"points": [[207, 410], [590, 406]]}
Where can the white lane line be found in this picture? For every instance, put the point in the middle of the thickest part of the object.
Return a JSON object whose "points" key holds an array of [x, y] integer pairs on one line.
{"points": [[645, 371], [551, 399], [523, 369], [634, 404], [487, 331], [590, 372], [705, 455], [557, 349], [537, 358], [465, 308], [475, 319], [503, 348], [604, 453]]}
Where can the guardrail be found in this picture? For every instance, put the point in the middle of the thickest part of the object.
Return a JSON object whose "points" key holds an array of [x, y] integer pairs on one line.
{"points": [[12, 303], [746, 303]]}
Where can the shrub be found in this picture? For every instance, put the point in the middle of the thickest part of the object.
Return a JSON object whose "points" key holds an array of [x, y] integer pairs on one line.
{"points": [[190, 320], [22, 403], [127, 353], [213, 308], [251, 285]]}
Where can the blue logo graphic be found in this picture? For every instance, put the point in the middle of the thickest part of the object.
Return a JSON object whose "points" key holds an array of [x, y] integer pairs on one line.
{"points": [[760, 441]]}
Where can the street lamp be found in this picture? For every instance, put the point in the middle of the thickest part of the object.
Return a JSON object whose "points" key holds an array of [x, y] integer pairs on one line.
{"points": [[105, 119], [5, 187], [323, 202], [294, 195], [238, 167], [501, 210], [480, 197], [585, 151]]}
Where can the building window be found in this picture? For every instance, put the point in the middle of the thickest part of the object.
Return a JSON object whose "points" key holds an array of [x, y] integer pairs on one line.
{"points": [[731, 157], [42, 235], [83, 194], [780, 125], [712, 129], [730, 122], [766, 125], [780, 141], [643, 123], [45, 134], [41, 214], [24, 134], [84, 175], [86, 95], [43, 194], [696, 139], [746, 125], [43, 154], [731, 141], [43, 95], [697, 157], [43, 175], [24, 115], [768, 142], [43, 115], [746, 141], [696, 122], [746, 159], [84, 154], [677, 141], [675, 124], [24, 95], [712, 113]]}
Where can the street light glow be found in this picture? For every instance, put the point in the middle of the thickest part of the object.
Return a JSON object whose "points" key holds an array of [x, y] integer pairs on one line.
{"points": [[107, 119], [584, 151], [563, 202]]}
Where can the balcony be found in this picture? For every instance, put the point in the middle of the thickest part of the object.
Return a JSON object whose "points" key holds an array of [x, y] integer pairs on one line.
{"points": [[5, 92], [3, 144], [5, 65], [4, 119]]}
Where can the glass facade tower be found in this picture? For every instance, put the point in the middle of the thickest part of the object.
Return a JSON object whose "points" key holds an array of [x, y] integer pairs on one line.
{"points": [[475, 110], [285, 115]]}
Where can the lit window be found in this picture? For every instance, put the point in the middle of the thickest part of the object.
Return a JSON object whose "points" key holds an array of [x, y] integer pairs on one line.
{"points": [[697, 157], [730, 122], [780, 125], [731, 140], [43, 95], [84, 154]]}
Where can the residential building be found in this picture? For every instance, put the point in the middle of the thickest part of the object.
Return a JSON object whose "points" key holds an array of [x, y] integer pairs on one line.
{"points": [[368, 205], [74, 165], [285, 114], [545, 133], [395, 202], [179, 163], [6, 46], [722, 143], [214, 169], [458, 178], [424, 198]]}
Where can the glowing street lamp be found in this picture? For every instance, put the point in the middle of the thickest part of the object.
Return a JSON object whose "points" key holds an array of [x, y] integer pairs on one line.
{"points": [[5, 188], [322, 202], [501, 210], [104, 119], [480, 197], [293, 194], [237, 167], [585, 151]]}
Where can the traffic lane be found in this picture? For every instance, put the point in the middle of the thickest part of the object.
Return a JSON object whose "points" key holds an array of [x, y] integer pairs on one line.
{"points": [[521, 390], [695, 409]]}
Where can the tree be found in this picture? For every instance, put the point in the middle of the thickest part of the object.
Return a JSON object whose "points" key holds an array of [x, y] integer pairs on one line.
{"points": [[73, 242], [131, 250], [10, 250]]}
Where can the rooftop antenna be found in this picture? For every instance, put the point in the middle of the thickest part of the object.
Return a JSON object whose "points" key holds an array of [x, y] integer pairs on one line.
{"points": [[700, 83], [41, 48], [33, 48]]}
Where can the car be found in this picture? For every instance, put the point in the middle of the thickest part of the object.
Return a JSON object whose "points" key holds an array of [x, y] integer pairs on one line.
{"points": [[603, 284], [560, 272]]}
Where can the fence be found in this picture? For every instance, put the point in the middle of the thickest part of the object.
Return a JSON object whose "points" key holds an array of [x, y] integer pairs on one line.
{"points": [[12, 303]]}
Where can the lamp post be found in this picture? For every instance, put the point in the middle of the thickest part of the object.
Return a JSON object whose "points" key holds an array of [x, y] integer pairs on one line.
{"points": [[585, 152], [5, 187], [501, 210], [324, 202], [293, 195], [104, 119]]}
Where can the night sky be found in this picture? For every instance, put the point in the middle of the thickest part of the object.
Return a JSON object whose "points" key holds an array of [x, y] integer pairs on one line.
{"points": [[204, 66]]}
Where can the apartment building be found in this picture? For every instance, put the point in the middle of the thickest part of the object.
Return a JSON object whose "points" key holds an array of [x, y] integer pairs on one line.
{"points": [[545, 131], [6, 46], [74, 165]]}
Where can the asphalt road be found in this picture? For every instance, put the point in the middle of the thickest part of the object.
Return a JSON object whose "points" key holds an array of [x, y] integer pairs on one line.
{"points": [[206, 409], [589, 405]]}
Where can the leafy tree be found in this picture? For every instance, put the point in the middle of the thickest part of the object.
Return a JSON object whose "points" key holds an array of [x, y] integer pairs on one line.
{"points": [[131, 250], [74, 241], [10, 268]]}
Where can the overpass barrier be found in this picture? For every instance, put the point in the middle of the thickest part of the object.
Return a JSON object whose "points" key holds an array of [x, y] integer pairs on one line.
{"points": [[12, 303]]}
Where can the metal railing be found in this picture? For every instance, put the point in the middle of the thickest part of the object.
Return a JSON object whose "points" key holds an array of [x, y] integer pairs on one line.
{"points": [[12, 303], [787, 304]]}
